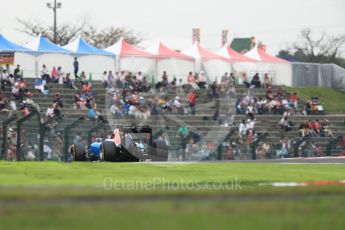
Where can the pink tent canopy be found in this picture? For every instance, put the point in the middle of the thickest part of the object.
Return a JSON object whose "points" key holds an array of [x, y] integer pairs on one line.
{"points": [[124, 49], [261, 55], [198, 52], [162, 51], [232, 55]]}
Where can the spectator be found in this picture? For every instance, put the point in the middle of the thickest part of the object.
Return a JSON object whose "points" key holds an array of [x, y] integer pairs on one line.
{"points": [[230, 118], [58, 99], [256, 83], [233, 80], [115, 110], [242, 129], [82, 77], [139, 76], [285, 124], [16, 73], [78, 101], [261, 105], [86, 88], [280, 92], [325, 129], [192, 101], [179, 85], [55, 75], [225, 78], [92, 114], [245, 80], [16, 91], [145, 85], [50, 111], [5, 80], [45, 74], [4, 104], [202, 84], [267, 81], [57, 111], [60, 75], [269, 95], [315, 125], [294, 101], [76, 68], [183, 133], [192, 81], [165, 80], [105, 80], [68, 82], [24, 110], [283, 152], [250, 112], [177, 106], [111, 79], [214, 92]]}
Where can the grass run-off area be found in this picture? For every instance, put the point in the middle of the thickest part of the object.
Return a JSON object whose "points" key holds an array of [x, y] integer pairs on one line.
{"points": [[50, 195], [333, 100]]}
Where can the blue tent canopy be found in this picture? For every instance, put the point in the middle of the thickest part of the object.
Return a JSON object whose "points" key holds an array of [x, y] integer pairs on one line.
{"points": [[80, 46], [6, 45], [43, 45]]}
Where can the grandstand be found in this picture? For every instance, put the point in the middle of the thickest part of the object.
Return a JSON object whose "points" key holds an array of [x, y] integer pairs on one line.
{"points": [[219, 140]]}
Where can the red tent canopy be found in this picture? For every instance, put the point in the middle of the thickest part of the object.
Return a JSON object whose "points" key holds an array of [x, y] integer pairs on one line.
{"points": [[268, 58], [124, 49], [162, 51]]}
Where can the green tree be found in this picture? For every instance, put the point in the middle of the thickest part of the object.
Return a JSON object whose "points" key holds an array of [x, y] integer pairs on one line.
{"points": [[323, 49], [66, 32]]}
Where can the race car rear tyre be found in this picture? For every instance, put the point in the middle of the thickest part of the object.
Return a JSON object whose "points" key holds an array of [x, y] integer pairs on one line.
{"points": [[109, 152], [159, 151], [78, 152]]}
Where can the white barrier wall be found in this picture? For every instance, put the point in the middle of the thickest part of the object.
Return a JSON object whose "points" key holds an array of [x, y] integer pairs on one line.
{"points": [[26, 62], [136, 64], [55, 60], [281, 72], [215, 69], [95, 64], [178, 68]]}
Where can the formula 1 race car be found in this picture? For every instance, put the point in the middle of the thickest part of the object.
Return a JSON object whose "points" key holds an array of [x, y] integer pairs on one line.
{"points": [[124, 146]]}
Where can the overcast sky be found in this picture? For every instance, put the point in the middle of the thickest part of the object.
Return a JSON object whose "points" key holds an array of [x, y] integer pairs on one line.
{"points": [[274, 22]]}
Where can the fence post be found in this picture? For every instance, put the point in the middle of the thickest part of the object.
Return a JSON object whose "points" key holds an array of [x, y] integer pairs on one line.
{"points": [[4, 130], [43, 129], [66, 135], [19, 126]]}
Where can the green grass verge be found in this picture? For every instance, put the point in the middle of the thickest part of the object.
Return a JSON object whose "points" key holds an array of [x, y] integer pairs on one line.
{"points": [[333, 100], [51, 195]]}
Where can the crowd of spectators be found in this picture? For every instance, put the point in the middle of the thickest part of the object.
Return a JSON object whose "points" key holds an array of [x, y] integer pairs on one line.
{"points": [[137, 95]]}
